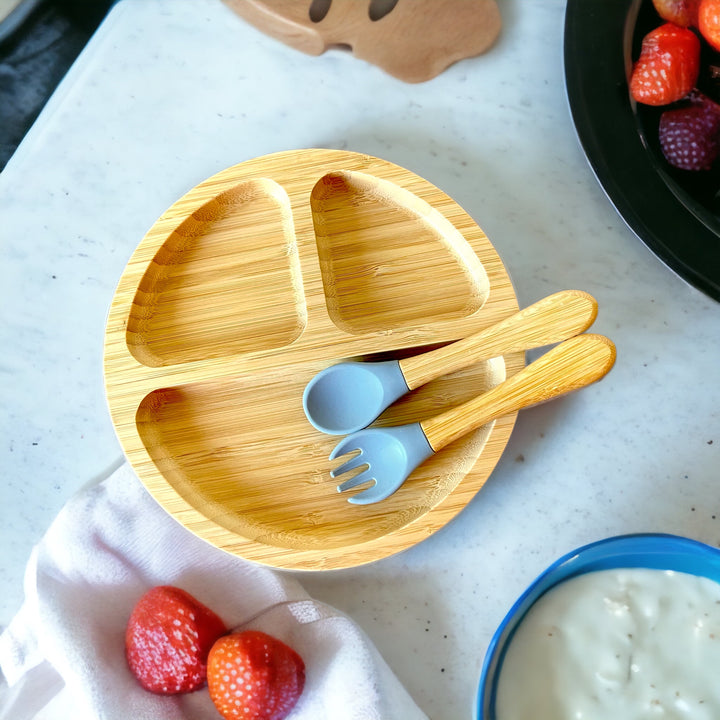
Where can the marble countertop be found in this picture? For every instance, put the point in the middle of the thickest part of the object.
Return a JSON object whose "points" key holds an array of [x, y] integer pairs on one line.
{"points": [[167, 94]]}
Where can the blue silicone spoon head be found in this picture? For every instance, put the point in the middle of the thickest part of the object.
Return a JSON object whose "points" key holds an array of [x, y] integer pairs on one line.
{"points": [[348, 396]]}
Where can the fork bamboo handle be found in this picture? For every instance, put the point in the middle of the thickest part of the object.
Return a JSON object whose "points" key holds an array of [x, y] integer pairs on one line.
{"points": [[569, 366], [550, 320]]}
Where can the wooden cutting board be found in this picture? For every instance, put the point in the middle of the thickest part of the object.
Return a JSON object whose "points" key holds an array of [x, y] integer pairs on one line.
{"points": [[413, 40], [243, 290]]}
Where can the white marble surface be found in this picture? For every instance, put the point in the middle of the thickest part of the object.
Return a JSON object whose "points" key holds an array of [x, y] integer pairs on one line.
{"points": [[168, 93]]}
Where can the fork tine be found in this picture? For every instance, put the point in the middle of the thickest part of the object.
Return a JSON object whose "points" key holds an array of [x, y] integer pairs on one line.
{"points": [[345, 446], [355, 462], [358, 479]]}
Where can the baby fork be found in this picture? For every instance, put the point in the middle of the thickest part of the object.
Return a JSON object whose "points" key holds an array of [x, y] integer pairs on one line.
{"points": [[389, 454]]}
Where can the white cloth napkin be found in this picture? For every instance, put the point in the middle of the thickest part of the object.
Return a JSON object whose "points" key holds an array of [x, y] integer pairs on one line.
{"points": [[110, 544]]}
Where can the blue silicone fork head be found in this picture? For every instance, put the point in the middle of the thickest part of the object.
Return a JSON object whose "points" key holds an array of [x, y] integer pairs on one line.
{"points": [[390, 454], [348, 396]]}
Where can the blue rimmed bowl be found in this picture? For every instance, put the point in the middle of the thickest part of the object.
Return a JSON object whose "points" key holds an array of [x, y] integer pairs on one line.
{"points": [[653, 551]]}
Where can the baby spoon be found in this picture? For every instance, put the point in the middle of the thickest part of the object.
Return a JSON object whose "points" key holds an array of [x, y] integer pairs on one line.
{"points": [[348, 396]]}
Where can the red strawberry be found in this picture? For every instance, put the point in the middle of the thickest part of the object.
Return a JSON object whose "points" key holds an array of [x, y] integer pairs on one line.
{"points": [[168, 638], [709, 21], [690, 136], [668, 66], [680, 12], [253, 676]]}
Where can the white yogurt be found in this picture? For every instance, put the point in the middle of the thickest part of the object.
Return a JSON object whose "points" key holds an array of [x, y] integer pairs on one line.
{"points": [[616, 645]]}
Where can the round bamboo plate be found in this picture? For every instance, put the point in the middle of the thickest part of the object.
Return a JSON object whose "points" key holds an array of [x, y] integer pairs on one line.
{"points": [[257, 279]]}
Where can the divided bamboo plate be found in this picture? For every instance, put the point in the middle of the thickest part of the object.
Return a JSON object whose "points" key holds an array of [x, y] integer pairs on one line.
{"points": [[257, 279]]}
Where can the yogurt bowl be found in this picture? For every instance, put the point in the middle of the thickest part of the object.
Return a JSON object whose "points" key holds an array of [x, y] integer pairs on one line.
{"points": [[622, 553]]}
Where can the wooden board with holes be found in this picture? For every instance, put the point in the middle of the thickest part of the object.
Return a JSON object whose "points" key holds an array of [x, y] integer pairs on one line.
{"points": [[243, 290], [413, 40]]}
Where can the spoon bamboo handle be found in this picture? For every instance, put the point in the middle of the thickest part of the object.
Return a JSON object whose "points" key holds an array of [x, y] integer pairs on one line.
{"points": [[569, 366], [550, 320]]}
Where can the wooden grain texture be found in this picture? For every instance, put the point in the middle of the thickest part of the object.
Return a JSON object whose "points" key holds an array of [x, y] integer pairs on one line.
{"points": [[413, 40], [550, 320], [240, 293], [569, 366]]}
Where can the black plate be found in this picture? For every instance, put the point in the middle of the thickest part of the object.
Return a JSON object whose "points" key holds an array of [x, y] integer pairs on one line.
{"points": [[662, 209]]}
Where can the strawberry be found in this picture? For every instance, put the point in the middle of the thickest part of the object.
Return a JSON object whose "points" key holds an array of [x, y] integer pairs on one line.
{"points": [[690, 136], [680, 12], [168, 638], [709, 21], [668, 66], [254, 676]]}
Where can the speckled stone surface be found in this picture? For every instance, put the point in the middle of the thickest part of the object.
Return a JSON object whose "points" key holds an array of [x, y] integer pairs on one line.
{"points": [[168, 93]]}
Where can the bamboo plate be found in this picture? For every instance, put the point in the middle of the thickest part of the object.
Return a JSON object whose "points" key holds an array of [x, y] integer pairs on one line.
{"points": [[247, 286]]}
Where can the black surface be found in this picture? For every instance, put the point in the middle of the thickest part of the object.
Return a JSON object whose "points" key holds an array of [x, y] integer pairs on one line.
{"points": [[599, 41], [38, 43]]}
